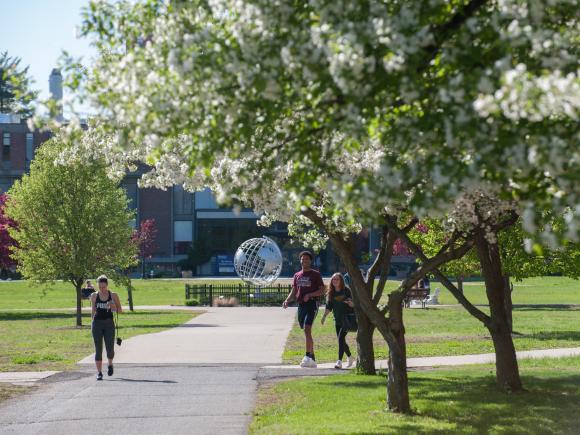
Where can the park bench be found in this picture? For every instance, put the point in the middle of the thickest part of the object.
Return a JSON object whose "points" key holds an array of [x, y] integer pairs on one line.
{"points": [[86, 293], [416, 294]]}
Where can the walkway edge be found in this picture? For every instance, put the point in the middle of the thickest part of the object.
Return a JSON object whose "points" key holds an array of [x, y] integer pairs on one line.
{"points": [[460, 360]]}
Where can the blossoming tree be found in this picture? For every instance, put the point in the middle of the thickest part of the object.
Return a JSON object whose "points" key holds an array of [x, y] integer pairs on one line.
{"points": [[428, 96]]}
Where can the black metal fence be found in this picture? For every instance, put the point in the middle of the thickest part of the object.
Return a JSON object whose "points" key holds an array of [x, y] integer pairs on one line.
{"points": [[246, 295]]}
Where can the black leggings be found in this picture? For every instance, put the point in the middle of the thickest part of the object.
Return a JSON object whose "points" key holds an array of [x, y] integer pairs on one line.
{"points": [[104, 329], [342, 346]]}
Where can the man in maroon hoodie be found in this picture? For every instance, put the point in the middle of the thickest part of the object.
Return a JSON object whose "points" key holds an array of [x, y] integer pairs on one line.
{"points": [[306, 287]]}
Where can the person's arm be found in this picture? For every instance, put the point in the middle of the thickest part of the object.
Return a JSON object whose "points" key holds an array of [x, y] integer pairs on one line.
{"points": [[118, 306], [348, 299], [321, 290], [93, 305], [327, 311], [291, 296]]}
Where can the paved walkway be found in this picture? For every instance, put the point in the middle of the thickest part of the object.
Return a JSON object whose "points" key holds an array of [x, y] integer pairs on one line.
{"points": [[239, 335], [461, 360], [199, 378]]}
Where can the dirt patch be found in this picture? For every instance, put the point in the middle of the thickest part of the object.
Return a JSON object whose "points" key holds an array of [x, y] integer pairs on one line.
{"points": [[10, 391]]}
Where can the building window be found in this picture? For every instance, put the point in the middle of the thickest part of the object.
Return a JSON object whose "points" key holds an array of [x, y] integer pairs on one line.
{"points": [[6, 146], [224, 236], [29, 149], [182, 201], [183, 236]]}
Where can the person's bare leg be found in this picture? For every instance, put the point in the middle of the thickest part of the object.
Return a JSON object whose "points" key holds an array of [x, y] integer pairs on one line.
{"points": [[99, 365], [309, 341]]}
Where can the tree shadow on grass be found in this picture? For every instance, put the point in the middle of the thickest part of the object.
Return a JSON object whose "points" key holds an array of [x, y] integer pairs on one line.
{"points": [[554, 335], [48, 315], [549, 405], [162, 325], [35, 315], [545, 307]]}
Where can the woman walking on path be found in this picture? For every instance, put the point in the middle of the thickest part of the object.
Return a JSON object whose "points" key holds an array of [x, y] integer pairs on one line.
{"points": [[104, 303], [339, 301]]}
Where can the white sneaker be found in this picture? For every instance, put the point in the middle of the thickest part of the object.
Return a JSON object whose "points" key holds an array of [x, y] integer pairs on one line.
{"points": [[350, 361], [338, 364], [308, 362]]}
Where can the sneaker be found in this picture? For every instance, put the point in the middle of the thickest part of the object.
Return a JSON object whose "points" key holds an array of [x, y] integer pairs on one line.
{"points": [[100, 377], [338, 364], [110, 371], [350, 361], [308, 362]]}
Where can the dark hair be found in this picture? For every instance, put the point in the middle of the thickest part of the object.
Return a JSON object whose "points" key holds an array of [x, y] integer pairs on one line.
{"points": [[102, 278], [306, 253]]}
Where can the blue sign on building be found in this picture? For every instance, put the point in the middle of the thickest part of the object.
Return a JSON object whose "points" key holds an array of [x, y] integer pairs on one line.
{"points": [[224, 265]]}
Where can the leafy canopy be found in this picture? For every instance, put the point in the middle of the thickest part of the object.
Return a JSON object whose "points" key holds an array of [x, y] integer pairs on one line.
{"points": [[73, 221]]}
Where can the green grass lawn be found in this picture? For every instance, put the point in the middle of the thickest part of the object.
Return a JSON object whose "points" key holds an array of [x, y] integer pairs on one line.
{"points": [[541, 290], [453, 331], [49, 340], [461, 400], [26, 295], [450, 331]]}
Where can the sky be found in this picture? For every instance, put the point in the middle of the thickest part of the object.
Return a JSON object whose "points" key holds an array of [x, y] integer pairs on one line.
{"points": [[38, 31]]}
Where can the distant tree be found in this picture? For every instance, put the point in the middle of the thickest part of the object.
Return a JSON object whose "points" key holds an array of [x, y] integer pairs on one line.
{"points": [[73, 222], [15, 93], [144, 238], [6, 242], [198, 254]]}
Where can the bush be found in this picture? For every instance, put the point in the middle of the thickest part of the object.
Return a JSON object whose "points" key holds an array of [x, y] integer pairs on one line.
{"points": [[192, 303], [225, 302]]}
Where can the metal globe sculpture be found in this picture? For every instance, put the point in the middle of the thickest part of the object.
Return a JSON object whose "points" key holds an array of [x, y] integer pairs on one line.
{"points": [[258, 261]]}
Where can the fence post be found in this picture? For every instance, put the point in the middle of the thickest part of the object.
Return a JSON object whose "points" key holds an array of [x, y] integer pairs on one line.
{"points": [[211, 295]]}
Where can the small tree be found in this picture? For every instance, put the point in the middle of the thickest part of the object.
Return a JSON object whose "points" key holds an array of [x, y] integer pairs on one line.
{"points": [[198, 254], [73, 222], [6, 241], [15, 95], [144, 238]]}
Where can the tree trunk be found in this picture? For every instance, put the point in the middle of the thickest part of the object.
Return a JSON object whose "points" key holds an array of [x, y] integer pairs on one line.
{"points": [[507, 372], [508, 303], [398, 384], [460, 283], [78, 287], [364, 344], [130, 296]]}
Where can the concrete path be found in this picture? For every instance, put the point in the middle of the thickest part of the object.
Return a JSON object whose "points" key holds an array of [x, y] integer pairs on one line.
{"points": [[461, 360], [138, 400], [254, 335], [199, 378]]}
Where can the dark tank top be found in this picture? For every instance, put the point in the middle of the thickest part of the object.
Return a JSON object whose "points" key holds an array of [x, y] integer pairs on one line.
{"points": [[103, 313]]}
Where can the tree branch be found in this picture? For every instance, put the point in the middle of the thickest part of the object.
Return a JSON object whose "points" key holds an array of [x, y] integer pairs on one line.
{"points": [[434, 268]]}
